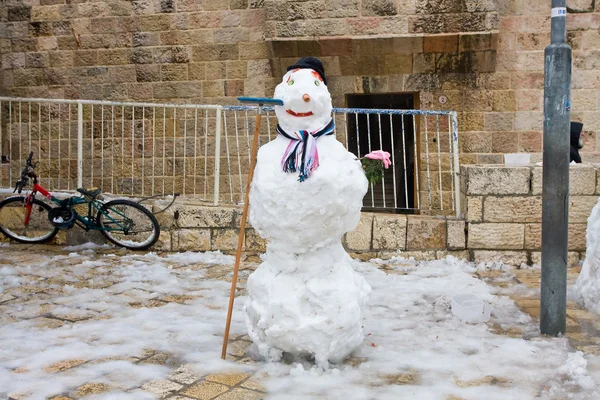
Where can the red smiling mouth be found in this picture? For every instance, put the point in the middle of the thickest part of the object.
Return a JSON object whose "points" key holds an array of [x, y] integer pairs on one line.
{"points": [[295, 114]]}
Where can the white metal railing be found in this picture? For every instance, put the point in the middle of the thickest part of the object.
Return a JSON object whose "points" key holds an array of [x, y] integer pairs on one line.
{"points": [[146, 149]]}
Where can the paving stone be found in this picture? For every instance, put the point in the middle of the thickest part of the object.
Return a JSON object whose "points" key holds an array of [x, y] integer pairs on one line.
{"points": [[254, 382], [91, 388], [185, 375], [63, 365], [241, 394], [161, 387], [205, 390], [227, 379]]}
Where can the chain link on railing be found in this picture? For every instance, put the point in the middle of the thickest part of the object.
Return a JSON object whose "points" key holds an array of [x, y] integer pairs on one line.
{"points": [[146, 149]]}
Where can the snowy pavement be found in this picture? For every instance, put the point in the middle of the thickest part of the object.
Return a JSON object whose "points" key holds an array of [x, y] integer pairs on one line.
{"points": [[104, 323]]}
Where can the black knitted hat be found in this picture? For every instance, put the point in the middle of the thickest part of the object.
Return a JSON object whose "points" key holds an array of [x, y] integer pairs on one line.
{"points": [[310, 63]]}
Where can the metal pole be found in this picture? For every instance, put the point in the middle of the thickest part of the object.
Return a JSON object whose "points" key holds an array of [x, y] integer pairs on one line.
{"points": [[79, 145], [555, 192]]}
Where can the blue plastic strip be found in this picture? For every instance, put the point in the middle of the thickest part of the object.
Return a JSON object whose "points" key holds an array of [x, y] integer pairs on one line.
{"points": [[261, 100]]}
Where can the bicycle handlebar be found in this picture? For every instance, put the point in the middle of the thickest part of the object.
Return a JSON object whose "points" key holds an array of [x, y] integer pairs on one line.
{"points": [[27, 173]]}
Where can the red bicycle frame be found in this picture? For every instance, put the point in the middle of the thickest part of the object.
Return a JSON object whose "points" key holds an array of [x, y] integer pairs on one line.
{"points": [[29, 201]]}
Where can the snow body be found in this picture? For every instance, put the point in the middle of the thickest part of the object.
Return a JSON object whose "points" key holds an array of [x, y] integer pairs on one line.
{"points": [[305, 298], [587, 287]]}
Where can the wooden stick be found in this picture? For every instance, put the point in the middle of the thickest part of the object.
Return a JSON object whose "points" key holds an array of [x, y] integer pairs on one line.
{"points": [[241, 235]]}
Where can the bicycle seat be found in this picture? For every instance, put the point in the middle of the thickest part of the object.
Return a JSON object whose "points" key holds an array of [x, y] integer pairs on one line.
{"points": [[90, 193]]}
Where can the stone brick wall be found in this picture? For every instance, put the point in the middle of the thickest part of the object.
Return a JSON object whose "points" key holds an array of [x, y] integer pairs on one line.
{"points": [[503, 211], [485, 57]]}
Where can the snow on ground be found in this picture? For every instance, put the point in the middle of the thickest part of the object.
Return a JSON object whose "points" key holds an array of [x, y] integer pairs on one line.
{"points": [[412, 334]]}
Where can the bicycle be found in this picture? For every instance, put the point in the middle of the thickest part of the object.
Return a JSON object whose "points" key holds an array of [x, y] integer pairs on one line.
{"points": [[27, 219]]}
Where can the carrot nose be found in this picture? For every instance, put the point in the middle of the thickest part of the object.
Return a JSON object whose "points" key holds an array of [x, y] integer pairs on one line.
{"points": [[306, 98]]}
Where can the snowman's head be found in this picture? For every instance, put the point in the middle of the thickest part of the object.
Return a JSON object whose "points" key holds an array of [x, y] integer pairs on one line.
{"points": [[306, 99]]}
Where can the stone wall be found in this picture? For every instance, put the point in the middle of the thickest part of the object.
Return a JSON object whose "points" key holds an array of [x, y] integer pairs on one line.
{"points": [[503, 211], [485, 57]]}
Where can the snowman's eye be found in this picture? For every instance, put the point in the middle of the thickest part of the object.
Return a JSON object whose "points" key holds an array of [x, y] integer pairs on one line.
{"points": [[291, 82], [317, 83]]}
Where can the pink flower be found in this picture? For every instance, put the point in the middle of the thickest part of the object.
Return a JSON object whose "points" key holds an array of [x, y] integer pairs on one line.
{"points": [[384, 156]]}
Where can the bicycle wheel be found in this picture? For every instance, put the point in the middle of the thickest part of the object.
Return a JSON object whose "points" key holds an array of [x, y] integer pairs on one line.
{"points": [[128, 224], [12, 221]]}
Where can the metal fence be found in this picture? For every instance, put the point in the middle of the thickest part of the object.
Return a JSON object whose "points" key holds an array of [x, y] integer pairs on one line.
{"points": [[203, 151]]}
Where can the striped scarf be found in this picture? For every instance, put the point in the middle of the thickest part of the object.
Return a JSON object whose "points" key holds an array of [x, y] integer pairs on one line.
{"points": [[301, 153]]}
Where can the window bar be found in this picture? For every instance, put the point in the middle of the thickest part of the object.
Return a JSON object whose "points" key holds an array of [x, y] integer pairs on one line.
{"points": [[102, 146], [164, 163], [112, 149], [174, 145], [369, 142], [268, 125], [381, 148], [132, 145], [195, 149], [39, 131], [69, 152], [450, 158], [153, 148], [427, 155], [2, 145], [346, 128], [122, 142], [239, 156], [228, 160], [59, 156], [205, 149], [184, 146], [144, 147], [394, 162], [437, 128], [10, 165], [20, 137], [417, 158], [49, 145], [28, 128], [247, 134], [357, 137]]}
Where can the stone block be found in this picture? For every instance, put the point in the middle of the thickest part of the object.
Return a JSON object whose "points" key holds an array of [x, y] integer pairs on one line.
{"points": [[485, 180], [505, 100], [425, 233], [214, 52], [474, 209], [360, 239], [577, 237], [572, 258], [164, 242], [533, 236], [456, 235], [389, 232], [440, 44], [224, 239], [512, 209], [423, 63], [581, 6], [580, 208], [460, 254], [192, 240], [497, 121], [204, 217], [515, 258], [253, 241], [417, 255], [496, 236], [475, 42]]}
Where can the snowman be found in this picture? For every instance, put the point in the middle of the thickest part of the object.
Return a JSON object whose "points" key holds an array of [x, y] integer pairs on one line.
{"points": [[305, 299]]}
